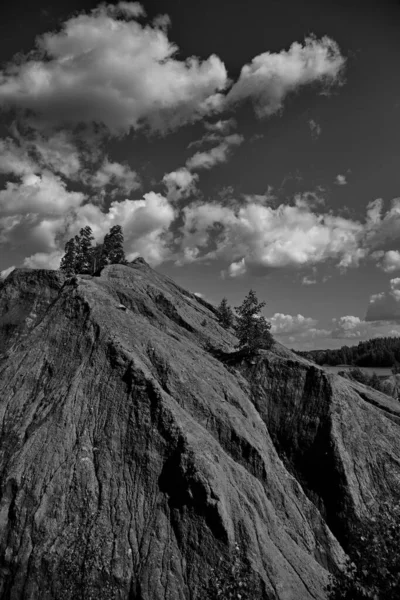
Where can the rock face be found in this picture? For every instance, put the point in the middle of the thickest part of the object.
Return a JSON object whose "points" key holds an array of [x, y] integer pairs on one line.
{"points": [[133, 456]]}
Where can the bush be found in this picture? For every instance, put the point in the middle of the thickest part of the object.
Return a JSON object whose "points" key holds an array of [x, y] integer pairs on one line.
{"points": [[373, 568], [233, 581]]}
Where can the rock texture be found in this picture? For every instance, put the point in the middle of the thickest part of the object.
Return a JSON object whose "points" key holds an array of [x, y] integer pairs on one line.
{"points": [[136, 449]]}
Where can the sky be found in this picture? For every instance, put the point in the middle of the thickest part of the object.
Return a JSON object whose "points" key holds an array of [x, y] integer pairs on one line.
{"points": [[240, 147]]}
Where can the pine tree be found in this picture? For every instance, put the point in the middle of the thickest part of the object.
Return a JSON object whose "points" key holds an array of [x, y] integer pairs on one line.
{"points": [[113, 247], [96, 257], [68, 261], [225, 314], [84, 245], [251, 328]]}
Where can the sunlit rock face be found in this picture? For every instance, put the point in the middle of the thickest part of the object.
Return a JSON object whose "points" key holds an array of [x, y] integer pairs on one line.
{"points": [[134, 456]]}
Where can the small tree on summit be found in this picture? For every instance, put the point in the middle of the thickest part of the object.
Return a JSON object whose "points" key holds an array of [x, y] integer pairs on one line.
{"points": [[84, 250], [113, 247], [225, 314], [68, 261], [251, 328]]}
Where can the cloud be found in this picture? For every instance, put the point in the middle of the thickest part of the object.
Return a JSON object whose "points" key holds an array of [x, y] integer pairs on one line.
{"points": [[223, 126], [44, 260], [315, 129], [105, 67], [57, 152], [385, 306], [348, 327], [38, 194], [390, 261], [180, 183], [270, 237], [5, 273], [236, 269], [271, 76], [341, 180], [218, 154], [15, 160], [282, 324], [307, 280], [122, 177]]}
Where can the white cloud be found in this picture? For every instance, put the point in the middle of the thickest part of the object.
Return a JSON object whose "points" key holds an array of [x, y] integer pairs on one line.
{"points": [[5, 273], [341, 180], [385, 306], [315, 129], [103, 68], [15, 159], [57, 153], [218, 154], [271, 76], [44, 260], [223, 126], [44, 194], [180, 183], [390, 261], [282, 324], [236, 269], [122, 177], [307, 280], [348, 327], [282, 236]]}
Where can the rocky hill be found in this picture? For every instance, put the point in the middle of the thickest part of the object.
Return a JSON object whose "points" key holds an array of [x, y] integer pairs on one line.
{"points": [[137, 449]]}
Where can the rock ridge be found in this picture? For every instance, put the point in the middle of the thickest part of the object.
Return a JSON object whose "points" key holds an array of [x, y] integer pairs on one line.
{"points": [[137, 448]]}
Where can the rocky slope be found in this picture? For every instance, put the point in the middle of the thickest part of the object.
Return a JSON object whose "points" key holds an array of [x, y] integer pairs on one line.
{"points": [[134, 456]]}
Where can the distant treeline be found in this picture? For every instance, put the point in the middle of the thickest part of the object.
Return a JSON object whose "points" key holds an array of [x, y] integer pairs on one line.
{"points": [[380, 352]]}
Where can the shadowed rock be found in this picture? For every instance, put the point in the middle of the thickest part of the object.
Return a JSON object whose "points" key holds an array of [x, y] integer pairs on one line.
{"points": [[137, 449]]}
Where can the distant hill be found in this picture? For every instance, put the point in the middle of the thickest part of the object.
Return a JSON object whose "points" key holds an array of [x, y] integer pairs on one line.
{"points": [[379, 352]]}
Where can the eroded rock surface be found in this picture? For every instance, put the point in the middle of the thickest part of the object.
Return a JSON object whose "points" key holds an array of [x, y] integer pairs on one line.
{"points": [[133, 457]]}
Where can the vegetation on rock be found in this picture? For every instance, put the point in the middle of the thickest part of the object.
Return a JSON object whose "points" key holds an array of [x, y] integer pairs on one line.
{"points": [[81, 257], [373, 567], [251, 328], [225, 314], [233, 581]]}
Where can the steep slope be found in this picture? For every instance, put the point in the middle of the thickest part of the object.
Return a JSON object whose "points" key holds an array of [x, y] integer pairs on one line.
{"points": [[132, 458]]}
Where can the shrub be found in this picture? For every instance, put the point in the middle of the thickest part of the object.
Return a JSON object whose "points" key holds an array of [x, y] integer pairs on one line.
{"points": [[373, 568]]}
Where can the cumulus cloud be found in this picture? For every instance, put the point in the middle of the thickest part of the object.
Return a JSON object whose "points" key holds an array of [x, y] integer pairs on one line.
{"points": [[106, 67], [281, 236], [341, 180], [348, 327], [15, 159], [120, 176], [56, 152], [44, 194], [218, 154], [385, 306], [390, 261], [271, 76], [282, 324], [180, 183], [236, 269]]}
